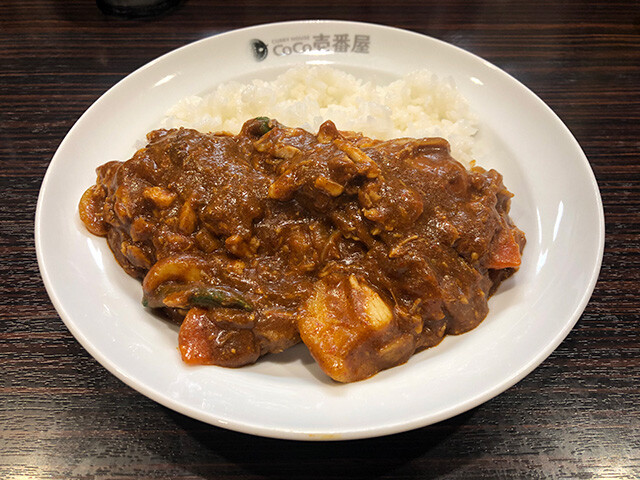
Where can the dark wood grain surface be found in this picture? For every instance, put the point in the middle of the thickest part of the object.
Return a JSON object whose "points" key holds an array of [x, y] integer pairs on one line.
{"points": [[577, 416]]}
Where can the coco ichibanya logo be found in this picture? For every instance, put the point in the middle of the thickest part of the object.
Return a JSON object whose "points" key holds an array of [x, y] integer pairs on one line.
{"points": [[306, 44]]}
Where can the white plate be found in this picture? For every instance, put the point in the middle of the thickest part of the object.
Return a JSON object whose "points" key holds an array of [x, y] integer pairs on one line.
{"points": [[557, 204]]}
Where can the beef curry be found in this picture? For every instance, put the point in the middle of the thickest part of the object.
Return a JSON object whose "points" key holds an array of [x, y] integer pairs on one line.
{"points": [[367, 251]]}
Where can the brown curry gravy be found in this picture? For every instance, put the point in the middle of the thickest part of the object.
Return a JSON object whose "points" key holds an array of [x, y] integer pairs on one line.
{"points": [[367, 250]]}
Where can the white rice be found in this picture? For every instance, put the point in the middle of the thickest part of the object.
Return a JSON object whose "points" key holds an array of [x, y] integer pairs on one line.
{"points": [[417, 105]]}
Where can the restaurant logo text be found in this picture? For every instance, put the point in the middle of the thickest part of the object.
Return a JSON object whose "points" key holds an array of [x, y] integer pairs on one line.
{"points": [[309, 44]]}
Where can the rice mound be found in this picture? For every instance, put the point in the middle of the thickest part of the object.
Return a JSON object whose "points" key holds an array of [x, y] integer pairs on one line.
{"points": [[417, 105]]}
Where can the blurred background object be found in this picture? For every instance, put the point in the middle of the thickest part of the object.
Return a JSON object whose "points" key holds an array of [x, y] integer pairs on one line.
{"points": [[136, 8]]}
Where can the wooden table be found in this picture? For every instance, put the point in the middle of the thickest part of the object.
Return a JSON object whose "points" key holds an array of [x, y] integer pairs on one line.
{"points": [[577, 416]]}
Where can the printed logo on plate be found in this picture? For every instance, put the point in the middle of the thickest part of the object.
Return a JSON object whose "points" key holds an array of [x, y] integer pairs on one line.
{"points": [[306, 44]]}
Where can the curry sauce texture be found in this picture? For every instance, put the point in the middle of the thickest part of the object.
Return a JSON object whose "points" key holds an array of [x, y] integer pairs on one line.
{"points": [[365, 250]]}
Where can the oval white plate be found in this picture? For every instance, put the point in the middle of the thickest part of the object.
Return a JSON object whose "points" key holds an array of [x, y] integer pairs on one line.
{"points": [[557, 204]]}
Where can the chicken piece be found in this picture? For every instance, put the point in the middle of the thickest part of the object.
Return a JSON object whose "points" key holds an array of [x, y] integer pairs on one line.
{"points": [[351, 331], [224, 325], [181, 282]]}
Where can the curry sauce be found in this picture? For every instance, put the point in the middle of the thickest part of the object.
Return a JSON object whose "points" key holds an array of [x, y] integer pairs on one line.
{"points": [[368, 251]]}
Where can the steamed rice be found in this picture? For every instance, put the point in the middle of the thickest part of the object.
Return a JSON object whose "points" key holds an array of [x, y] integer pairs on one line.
{"points": [[417, 105]]}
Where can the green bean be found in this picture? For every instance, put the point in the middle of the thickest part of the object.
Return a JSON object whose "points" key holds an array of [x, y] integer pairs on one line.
{"points": [[264, 125], [198, 296], [213, 296]]}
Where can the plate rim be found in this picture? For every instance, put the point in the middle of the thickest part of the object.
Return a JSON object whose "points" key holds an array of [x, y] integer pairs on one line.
{"points": [[365, 432]]}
